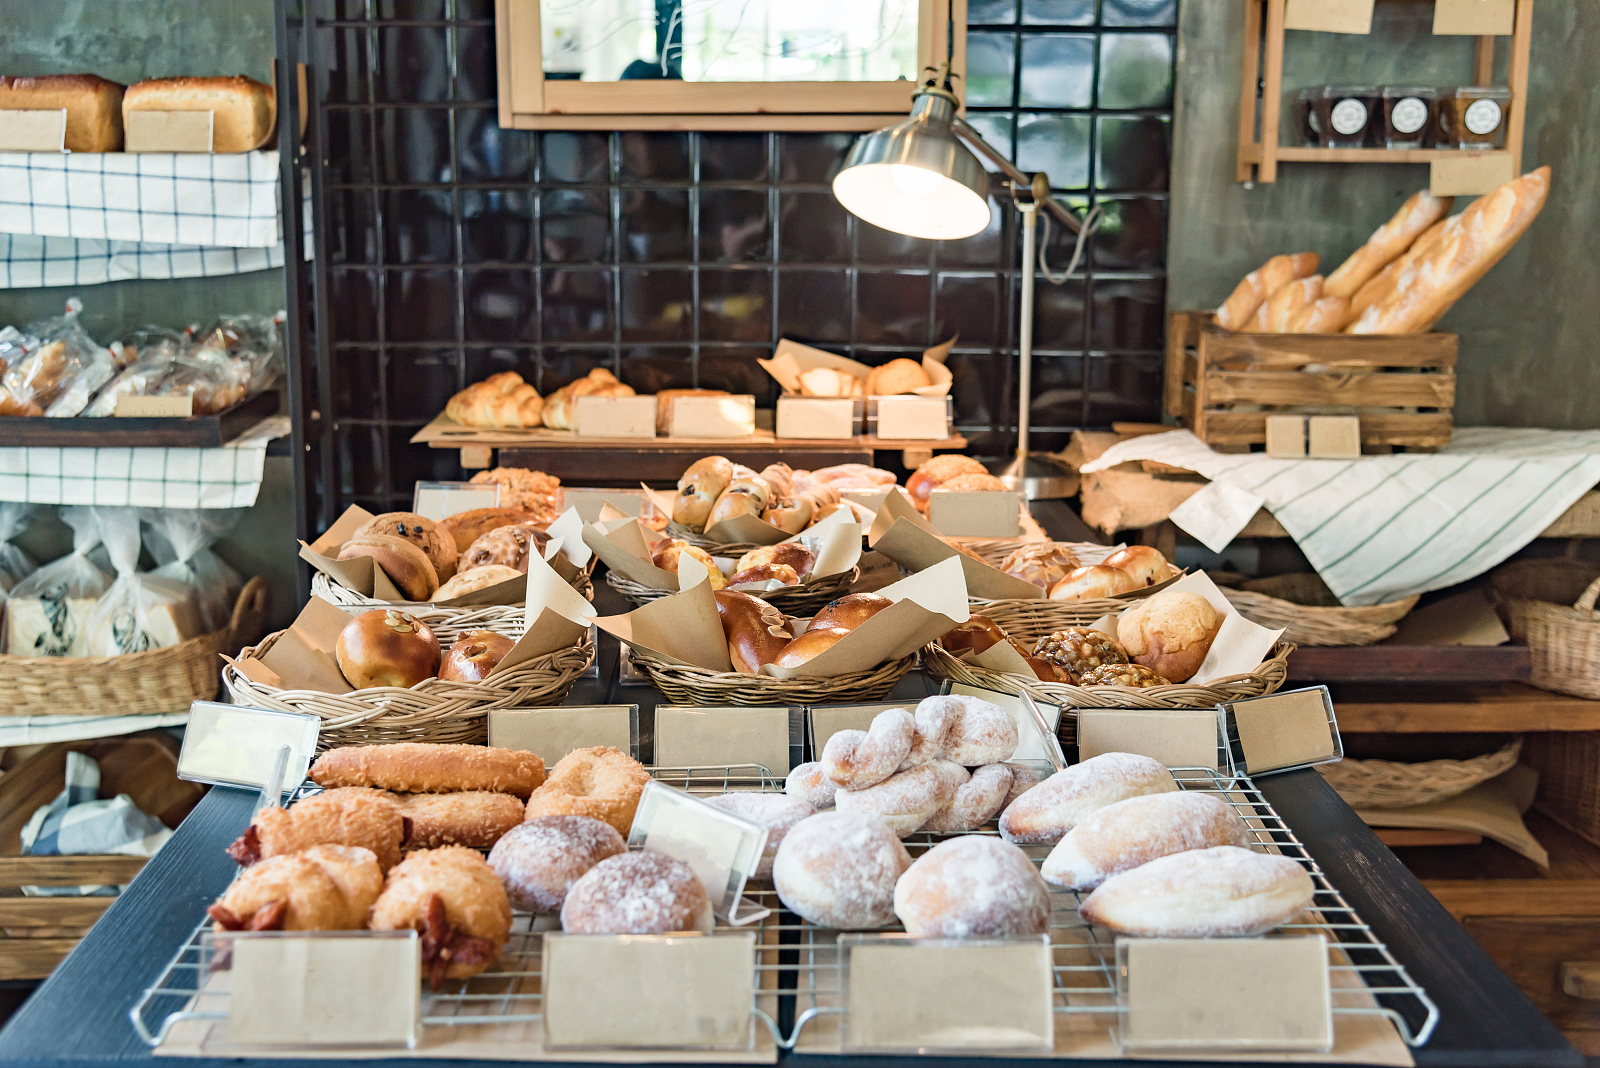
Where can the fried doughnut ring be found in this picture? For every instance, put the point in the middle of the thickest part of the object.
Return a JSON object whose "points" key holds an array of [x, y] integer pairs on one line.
{"points": [[974, 802], [430, 768], [810, 784], [856, 760], [600, 782]]}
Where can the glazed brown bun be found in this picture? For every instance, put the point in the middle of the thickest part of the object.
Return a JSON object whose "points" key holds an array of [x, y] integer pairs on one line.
{"points": [[420, 531], [796, 556], [387, 647], [755, 630], [977, 634], [808, 645], [936, 472], [1143, 562], [897, 376], [407, 566], [790, 516], [1093, 583], [467, 527], [1170, 633], [474, 579], [474, 655], [849, 611], [766, 573]]}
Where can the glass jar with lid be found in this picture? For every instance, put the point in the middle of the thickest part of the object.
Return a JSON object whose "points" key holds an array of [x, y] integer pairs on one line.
{"points": [[1474, 117], [1409, 115]]}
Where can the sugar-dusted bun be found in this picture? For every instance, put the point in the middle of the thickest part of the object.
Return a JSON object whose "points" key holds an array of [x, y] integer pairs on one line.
{"points": [[980, 797], [507, 546], [936, 472], [1047, 812], [474, 579], [785, 552], [1169, 632], [849, 611], [1093, 583], [1135, 831], [897, 376], [422, 532], [1023, 779], [967, 730], [778, 813], [1145, 563], [474, 656], [407, 566], [667, 553], [765, 573], [856, 759], [1221, 892], [637, 893], [810, 783], [839, 870], [904, 801], [808, 646], [1043, 563], [972, 887], [387, 647], [538, 861]]}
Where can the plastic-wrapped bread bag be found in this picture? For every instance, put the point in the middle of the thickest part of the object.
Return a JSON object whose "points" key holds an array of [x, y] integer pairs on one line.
{"points": [[58, 378], [15, 565], [48, 612], [147, 358], [181, 539], [139, 611]]}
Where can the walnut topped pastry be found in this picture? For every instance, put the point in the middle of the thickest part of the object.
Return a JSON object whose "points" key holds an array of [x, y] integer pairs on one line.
{"points": [[529, 491], [508, 546], [1136, 676], [1077, 650]]}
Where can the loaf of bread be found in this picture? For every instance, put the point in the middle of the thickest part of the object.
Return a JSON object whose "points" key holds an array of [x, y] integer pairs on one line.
{"points": [[1254, 289], [94, 106], [828, 382], [897, 376], [1387, 241], [1382, 283], [1280, 309], [1326, 315], [244, 110], [502, 399], [559, 410], [1170, 633]]}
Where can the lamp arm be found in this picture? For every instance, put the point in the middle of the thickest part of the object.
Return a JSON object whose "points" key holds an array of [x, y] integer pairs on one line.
{"points": [[1040, 189]]}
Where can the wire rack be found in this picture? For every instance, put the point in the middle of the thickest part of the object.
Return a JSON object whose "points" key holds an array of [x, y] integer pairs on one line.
{"points": [[800, 998]]}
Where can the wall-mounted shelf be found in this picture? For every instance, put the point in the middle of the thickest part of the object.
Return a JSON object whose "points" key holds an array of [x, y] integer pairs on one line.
{"points": [[1259, 155]]}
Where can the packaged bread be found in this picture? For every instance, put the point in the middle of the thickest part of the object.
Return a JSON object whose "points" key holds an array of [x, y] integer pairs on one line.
{"points": [[139, 611], [243, 110], [181, 540], [58, 378], [93, 106], [48, 612], [15, 565]]}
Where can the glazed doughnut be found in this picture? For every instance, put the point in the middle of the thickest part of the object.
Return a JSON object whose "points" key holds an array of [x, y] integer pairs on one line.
{"points": [[839, 870], [968, 730], [1221, 892], [778, 813], [972, 887], [977, 799], [809, 783], [1046, 813], [1023, 779], [637, 893], [599, 782], [430, 768], [538, 861], [1122, 836], [856, 760], [904, 801]]}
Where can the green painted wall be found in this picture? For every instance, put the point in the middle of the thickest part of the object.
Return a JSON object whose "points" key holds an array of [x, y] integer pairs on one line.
{"points": [[1528, 330]]}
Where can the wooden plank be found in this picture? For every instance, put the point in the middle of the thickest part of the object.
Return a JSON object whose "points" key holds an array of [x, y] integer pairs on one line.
{"points": [[443, 433], [1250, 428], [1271, 92], [1521, 45], [84, 431], [1179, 328], [1435, 709], [1249, 71], [1432, 349], [33, 958], [1301, 154], [1483, 61], [1329, 387], [782, 123], [524, 48], [1409, 663], [712, 98], [68, 871], [1417, 836], [52, 911]]}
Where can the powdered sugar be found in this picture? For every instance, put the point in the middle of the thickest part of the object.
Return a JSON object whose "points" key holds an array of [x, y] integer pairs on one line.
{"points": [[839, 870], [538, 861], [1051, 809], [637, 893], [1224, 891], [974, 802], [972, 887], [904, 801], [809, 783], [967, 730], [1135, 831], [858, 759]]}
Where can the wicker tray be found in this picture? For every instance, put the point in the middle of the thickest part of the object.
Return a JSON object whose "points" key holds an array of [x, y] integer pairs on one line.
{"points": [[1309, 614], [801, 600], [154, 682], [715, 548], [1390, 784], [683, 684], [434, 710], [1560, 628], [447, 623]]}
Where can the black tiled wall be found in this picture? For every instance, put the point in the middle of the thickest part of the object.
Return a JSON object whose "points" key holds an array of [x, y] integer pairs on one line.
{"points": [[455, 249]]}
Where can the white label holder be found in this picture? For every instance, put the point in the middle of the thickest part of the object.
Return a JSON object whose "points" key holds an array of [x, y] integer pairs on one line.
{"points": [[721, 848], [235, 745]]}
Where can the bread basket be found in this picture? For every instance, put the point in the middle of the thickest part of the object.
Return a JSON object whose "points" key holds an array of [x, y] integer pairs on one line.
{"points": [[1560, 627], [1391, 784], [803, 600], [447, 623], [685, 684], [154, 682], [434, 710], [1309, 614], [715, 548]]}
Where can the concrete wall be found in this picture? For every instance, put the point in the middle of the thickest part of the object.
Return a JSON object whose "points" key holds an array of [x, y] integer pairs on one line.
{"points": [[1528, 329]]}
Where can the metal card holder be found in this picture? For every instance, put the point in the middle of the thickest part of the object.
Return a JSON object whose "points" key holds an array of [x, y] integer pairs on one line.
{"points": [[239, 746], [1037, 723], [560, 727], [722, 849], [1283, 731]]}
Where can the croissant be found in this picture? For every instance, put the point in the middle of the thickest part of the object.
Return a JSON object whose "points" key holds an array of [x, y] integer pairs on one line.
{"points": [[502, 399], [559, 413]]}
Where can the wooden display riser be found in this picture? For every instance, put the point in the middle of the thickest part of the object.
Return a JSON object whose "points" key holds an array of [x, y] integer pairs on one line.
{"points": [[1446, 709], [1451, 664]]}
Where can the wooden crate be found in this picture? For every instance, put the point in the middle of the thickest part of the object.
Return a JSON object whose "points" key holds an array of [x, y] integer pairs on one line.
{"points": [[1402, 386]]}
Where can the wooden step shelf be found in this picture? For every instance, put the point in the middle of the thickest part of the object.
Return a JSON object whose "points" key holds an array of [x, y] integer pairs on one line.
{"points": [[1447, 709], [1409, 664]]}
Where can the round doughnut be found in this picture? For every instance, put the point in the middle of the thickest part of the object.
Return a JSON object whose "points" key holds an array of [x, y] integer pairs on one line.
{"points": [[975, 800], [972, 887], [809, 783], [968, 730], [1047, 812], [904, 801], [599, 782], [1221, 892], [1023, 779], [855, 760], [637, 893], [839, 870], [1123, 836], [778, 813], [538, 861]]}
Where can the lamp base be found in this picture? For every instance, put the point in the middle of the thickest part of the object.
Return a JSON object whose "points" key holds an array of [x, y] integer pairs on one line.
{"points": [[1038, 479]]}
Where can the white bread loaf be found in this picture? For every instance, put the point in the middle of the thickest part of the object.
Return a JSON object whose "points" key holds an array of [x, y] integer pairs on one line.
{"points": [[1222, 892], [94, 106], [245, 110], [1124, 835]]}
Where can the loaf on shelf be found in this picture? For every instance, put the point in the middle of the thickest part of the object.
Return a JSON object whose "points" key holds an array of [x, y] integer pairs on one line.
{"points": [[93, 106], [243, 110]]}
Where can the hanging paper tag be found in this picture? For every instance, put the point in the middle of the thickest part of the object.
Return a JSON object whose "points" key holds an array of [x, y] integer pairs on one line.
{"points": [[440, 500]]}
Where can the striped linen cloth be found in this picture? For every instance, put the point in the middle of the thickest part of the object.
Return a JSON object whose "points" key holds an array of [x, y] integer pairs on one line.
{"points": [[77, 822], [1384, 527]]}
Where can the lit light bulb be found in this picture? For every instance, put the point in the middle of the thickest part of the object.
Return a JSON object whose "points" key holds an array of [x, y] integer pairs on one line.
{"points": [[914, 181]]}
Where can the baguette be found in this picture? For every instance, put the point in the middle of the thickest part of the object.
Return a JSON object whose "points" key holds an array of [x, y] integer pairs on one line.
{"points": [[1467, 247], [94, 106], [1327, 315], [1254, 289], [1382, 284], [1288, 302], [1387, 241], [244, 110]]}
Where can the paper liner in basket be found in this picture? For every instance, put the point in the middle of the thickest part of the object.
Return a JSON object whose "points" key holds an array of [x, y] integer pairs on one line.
{"points": [[791, 359], [626, 549], [900, 533], [741, 528]]}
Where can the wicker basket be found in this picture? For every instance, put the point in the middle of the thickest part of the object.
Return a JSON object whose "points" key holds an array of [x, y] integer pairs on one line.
{"points": [[1568, 763], [1310, 614], [447, 623], [434, 710], [715, 548], [802, 600], [1028, 621], [1563, 638], [1390, 784], [155, 682], [687, 685]]}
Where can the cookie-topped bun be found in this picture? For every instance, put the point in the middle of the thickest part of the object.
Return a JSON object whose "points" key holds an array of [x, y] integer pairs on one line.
{"points": [[422, 532]]}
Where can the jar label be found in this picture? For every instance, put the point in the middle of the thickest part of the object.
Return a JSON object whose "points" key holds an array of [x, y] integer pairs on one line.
{"points": [[1349, 116], [1482, 117], [1408, 114]]}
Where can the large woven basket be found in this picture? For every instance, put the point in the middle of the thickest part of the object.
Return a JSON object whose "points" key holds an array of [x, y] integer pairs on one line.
{"points": [[1309, 614], [1568, 763], [1028, 621], [155, 682], [447, 623], [686, 685], [1562, 632], [715, 548], [434, 710], [802, 600], [1390, 784]]}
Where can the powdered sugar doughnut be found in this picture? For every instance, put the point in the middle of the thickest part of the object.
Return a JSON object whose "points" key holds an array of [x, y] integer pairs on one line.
{"points": [[904, 801], [1122, 836], [538, 861], [858, 759], [778, 813], [972, 887], [1048, 811], [637, 893], [968, 730], [809, 783], [1222, 892], [935, 717], [839, 870], [1023, 779], [975, 800]]}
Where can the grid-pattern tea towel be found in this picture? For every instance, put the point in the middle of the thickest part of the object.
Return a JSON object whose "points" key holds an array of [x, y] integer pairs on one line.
{"points": [[168, 197], [78, 822], [29, 262], [1384, 527]]}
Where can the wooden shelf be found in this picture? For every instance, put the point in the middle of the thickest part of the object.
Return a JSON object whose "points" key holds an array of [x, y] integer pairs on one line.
{"points": [[1375, 155], [1447, 709], [1409, 663]]}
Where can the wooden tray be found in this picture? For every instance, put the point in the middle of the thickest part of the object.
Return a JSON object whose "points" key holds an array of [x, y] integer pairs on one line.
{"points": [[194, 432]]}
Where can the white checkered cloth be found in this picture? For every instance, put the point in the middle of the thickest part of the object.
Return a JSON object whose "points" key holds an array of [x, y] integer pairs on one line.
{"points": [[170, 198], [226, 477], [27, 262]]}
